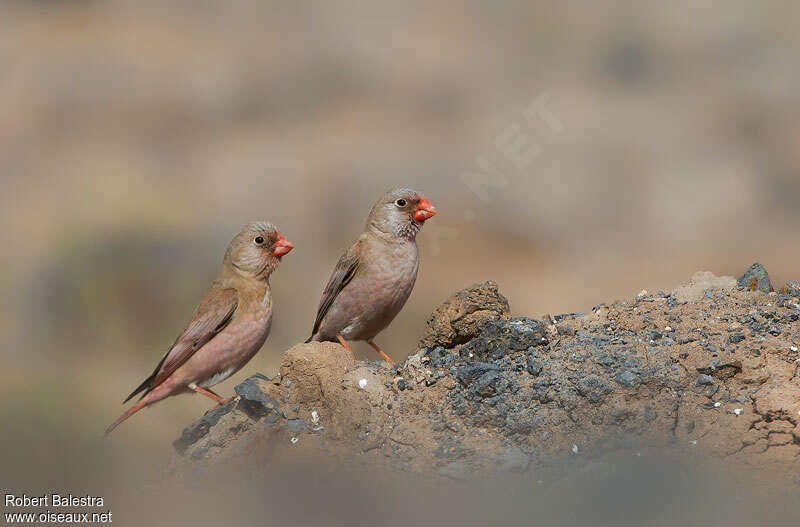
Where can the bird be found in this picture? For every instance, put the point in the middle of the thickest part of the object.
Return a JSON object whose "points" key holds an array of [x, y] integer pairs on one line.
{"points": [[228, 327], [374, 277]]}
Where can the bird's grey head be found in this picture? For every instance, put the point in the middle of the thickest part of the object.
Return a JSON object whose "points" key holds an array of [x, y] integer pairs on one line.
{"points": [[257, 250], [400, 213]]}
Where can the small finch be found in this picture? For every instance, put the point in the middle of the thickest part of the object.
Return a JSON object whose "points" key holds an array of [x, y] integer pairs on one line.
{"points": [[375, 276], [228, 327]]}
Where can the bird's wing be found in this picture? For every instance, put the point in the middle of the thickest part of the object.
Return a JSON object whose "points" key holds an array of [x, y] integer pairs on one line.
{"points": [[211, 316], [345, 270]]}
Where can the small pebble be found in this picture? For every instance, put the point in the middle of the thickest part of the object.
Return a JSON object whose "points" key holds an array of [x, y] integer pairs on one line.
{"points": [[314, 417], [738, 411], [362, 383], [717, 405], [293, 440], [793, 348], [575, 449]]}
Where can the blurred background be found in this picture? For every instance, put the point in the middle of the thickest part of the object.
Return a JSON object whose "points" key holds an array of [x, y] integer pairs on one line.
{"points": [[576, 152]]}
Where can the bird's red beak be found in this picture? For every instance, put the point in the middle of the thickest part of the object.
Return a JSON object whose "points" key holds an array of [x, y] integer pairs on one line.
{"points": [[425, 210], [282, 246]]}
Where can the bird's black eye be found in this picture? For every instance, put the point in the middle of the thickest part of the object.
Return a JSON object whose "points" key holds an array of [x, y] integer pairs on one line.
{"points": [[400, 202], [259, 240]]}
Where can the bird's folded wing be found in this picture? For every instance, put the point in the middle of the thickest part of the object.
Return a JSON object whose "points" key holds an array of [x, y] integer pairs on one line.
{"points": [[345, 270], [211, 316]]}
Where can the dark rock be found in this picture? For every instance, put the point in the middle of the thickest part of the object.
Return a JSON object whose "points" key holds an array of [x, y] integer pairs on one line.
{"points": [[704, 380], [718, 369], [562, 329], [593, 388], [296, 425], [628, 378], [498, 338], [604, 359], [793, 288], [200, 429], [533, 366], [440, 357], [488, 384], [522, 421], [736, 338], [756, 277], [254, 401], [467, 374], [459, 405]]}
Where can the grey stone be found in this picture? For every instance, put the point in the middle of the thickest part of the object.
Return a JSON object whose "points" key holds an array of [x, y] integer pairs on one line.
{"points": [[704, 380], [200, 429], [756, 275], [628, 378], [296, 425], [254, 401], [594, 388], [533, 366]]}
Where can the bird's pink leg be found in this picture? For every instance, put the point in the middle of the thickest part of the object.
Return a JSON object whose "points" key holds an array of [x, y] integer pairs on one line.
{"points": [[345, 344], [381, 353], [224, 401], [211, 395]]}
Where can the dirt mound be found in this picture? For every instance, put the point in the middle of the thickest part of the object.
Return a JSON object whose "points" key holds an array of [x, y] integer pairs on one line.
{"points": [[711, 373]]}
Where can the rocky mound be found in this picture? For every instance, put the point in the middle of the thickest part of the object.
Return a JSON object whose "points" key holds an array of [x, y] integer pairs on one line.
{"points": [[710, 369]]}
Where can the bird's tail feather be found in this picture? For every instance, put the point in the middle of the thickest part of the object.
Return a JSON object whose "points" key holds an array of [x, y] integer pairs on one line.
{"points": [[144, 386], [129, 412]]}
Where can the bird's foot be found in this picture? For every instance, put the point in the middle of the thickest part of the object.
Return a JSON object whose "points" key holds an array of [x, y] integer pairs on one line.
{"points": [[211, 395], [345, 344], [381, 353]]}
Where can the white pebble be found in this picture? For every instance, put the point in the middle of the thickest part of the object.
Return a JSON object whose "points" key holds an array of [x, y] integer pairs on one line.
{"points": [[738, 411], [668, 329], [293, 440], [793, 348], [717, 405], [693, 443], [574, 449], [314, 417], [362, 383]]}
